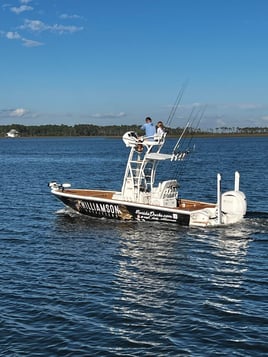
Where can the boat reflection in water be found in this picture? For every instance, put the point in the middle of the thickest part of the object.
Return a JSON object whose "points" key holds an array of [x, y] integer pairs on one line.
{"points": [[190, 282]]}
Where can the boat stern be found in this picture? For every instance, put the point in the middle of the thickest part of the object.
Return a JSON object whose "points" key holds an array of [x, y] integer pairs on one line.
{"points": [[231, 207]]}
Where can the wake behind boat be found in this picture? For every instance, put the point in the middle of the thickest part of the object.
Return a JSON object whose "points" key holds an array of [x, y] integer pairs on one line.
{"points": [[141, 199]]}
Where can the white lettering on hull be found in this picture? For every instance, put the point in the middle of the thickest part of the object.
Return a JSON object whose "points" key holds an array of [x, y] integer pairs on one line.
{"points": [[155, 216], [100, 209]]}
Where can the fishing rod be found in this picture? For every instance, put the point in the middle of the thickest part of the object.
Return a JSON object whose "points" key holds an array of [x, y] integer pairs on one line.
{"points": [[190, 125], [191, 120], [182, 143], [176, 104], [174, 151], [185, 144], [180, 155], [198, 118]]}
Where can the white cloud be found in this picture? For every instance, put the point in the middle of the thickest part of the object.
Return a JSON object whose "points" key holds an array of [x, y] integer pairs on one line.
{"points": [[25, 41], [249, 106], [39, 26], [66, 16], [65, 29], [19, 112], [20, 9], [34, 25], [108, 115], [13, 35], [220, 123], [241, 106], [31, 43]]}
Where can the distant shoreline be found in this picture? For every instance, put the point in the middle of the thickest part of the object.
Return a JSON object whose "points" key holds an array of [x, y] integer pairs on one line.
{"points": [[207, 135], [114, 131]]}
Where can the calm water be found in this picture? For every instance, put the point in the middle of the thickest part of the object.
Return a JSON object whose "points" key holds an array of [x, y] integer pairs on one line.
{"points": [[75, 286]]}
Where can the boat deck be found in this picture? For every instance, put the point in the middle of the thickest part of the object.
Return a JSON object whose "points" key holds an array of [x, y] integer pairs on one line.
{"points": [[186, 205], [190, 205], [91, 193]]}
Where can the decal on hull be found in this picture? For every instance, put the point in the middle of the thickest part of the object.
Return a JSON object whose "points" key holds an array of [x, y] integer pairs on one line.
{"points": [[124, 212]]}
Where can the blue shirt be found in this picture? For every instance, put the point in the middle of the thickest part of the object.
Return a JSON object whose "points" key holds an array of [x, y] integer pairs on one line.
{"points": [[149, 130]]}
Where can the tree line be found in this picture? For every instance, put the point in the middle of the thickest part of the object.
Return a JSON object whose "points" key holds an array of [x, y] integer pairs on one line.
{"points": [[117, 130]]}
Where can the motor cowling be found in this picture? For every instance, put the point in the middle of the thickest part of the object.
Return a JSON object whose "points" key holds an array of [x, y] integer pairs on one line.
{"points": [[234, 203]]}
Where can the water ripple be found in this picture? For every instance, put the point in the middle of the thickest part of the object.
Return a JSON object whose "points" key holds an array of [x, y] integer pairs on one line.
{"points": [[75, 286]]}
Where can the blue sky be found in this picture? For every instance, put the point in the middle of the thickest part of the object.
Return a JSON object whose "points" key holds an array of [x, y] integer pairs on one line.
{"points": [[117, 61]]}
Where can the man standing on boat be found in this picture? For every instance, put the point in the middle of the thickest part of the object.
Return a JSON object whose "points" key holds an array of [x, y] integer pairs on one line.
{"points": [[149, 129]]}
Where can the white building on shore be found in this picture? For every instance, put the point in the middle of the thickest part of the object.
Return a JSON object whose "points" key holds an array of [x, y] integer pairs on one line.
{"points": [[13, 133]]}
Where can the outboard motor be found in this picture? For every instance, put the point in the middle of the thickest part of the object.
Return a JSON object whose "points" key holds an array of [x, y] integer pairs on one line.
{"points": [[234, 203]]}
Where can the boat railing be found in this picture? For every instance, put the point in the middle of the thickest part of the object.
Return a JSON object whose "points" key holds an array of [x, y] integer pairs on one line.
{"points": [[131, 139]]}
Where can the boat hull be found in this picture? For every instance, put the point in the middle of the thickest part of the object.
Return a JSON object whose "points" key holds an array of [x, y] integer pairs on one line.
{"points": [[111, 209]]}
